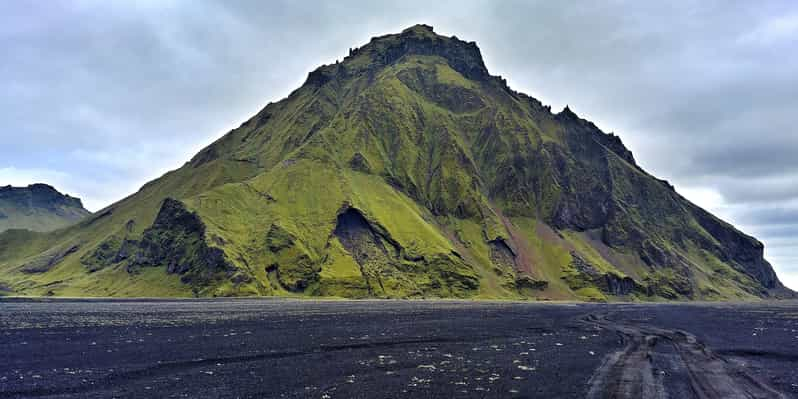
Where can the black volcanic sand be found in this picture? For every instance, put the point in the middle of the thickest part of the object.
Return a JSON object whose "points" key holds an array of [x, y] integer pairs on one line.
{"points": [[395, 349]]}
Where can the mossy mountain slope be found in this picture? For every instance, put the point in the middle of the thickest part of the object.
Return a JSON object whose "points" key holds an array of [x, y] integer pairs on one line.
{"points": [[38, 207], [405, 171]]}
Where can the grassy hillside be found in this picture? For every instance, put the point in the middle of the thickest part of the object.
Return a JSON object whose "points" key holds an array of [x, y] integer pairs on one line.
{"points": [[404, 171]]}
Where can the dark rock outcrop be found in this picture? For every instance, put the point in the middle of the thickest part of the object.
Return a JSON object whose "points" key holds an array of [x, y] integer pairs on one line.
{"points": [[743, 250], [609, 283], [426, 82], [501, 254], [48, 259], [464, 57], [176, 240], [382, 261], [370, 249], [359, 163], [616, 285], [111, 251], [528, 283]]}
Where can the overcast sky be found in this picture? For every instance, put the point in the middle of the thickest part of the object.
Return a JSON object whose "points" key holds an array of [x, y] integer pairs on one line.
{"points": [[100, 97]]}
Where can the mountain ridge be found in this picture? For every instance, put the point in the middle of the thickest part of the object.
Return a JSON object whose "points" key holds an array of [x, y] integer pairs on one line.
{"points": [[38, 207], [405, 170]]}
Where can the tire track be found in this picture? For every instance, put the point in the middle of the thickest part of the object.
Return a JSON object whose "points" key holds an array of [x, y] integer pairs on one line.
{"points": [[628, 373]]}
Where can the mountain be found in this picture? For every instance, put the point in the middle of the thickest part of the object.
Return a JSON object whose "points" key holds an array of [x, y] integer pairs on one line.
{"points": [[405, 171], [38, 207]]}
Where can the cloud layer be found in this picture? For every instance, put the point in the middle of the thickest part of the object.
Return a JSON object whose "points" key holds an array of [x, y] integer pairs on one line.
{"points": [[100, 97]]}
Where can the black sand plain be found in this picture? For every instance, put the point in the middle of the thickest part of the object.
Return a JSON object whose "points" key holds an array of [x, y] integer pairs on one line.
{"points": [[255, 348]]}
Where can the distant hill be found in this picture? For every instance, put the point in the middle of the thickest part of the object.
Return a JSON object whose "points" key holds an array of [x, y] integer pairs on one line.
{"points": [[38, 207], [404, 171]]}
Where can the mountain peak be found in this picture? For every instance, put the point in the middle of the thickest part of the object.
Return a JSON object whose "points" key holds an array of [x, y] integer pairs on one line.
{"points": [[567, 113], [464, 57], [382, 51], [420, 29], [41, 186]]}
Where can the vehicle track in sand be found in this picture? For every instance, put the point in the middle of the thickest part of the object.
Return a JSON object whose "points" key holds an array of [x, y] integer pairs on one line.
{"points": [[630, 372]]}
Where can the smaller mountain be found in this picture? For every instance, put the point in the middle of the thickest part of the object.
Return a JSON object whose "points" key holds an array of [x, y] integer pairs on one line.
{"points": [[38, 207]]}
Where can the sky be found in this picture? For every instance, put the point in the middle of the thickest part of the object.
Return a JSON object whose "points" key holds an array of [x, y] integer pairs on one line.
{"points": [[100, 97]]}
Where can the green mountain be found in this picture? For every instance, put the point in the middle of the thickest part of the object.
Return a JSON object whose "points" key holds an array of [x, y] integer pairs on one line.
{"points": [[404, 171], [38, 207]]}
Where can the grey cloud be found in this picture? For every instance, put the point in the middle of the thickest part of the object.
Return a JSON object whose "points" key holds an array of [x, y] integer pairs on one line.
{"points": [[768, 216], [781, 231], [759, 192]]}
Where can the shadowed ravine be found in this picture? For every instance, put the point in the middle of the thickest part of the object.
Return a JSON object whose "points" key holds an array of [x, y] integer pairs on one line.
{"points": [[630, 372]]}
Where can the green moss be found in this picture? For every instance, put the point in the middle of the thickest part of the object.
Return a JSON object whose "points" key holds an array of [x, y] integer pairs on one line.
{"points": [[440, 159], [449, 76], [549, 256], [340, 275], [589, 253], [495, 280], [591, 294]]}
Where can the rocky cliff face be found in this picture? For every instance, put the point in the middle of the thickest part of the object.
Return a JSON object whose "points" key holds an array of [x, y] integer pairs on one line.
{"points": [[38, 207], [406, 170]]}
